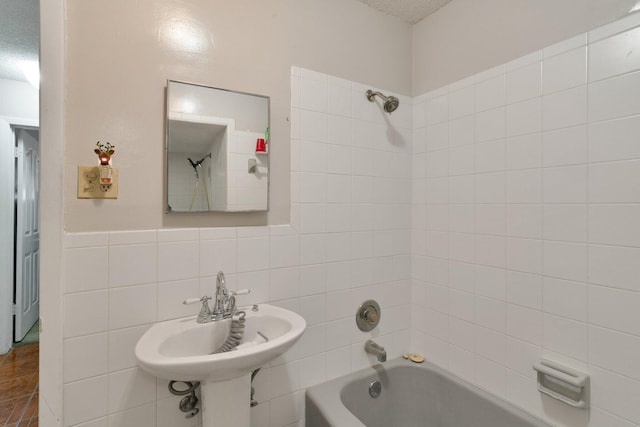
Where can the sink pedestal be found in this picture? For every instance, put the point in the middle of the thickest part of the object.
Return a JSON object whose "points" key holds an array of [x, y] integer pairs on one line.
{"points": [[226, 403]]}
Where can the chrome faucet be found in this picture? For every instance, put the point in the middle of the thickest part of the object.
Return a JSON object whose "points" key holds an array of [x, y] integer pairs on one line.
{"points": [[376, 350], [224, 302], [221, 298]]}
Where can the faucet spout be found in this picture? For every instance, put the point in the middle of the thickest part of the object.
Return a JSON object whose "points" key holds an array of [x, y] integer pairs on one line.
{"points": [[221, 297], [376, 350]]}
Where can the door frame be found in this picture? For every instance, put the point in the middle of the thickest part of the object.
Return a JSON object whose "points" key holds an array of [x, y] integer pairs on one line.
{"points": [[7, 178]]}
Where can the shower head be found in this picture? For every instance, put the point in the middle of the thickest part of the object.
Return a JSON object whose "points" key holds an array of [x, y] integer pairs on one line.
{"points": [[391, 103]]}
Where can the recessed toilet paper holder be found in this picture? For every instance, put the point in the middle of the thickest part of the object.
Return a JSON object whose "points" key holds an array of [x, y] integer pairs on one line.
{"points": [[567, 385]]}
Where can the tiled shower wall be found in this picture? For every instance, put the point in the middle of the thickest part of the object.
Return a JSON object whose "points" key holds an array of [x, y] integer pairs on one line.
{"points": [[526, 224], [349, 241]]}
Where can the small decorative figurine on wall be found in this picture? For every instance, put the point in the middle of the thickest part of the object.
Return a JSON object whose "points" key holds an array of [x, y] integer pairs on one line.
{"points": [[104, 152]]}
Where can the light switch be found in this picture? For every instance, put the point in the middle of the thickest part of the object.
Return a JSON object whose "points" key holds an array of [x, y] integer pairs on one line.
{"points": [[89, 186]]}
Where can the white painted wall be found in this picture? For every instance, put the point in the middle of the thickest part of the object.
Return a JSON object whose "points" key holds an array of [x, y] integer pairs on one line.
{"points": [[116, 80], [19, 101], [468, 36]]}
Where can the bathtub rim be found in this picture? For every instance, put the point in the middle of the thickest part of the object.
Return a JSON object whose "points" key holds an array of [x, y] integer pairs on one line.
{"points": [[325, 397]]}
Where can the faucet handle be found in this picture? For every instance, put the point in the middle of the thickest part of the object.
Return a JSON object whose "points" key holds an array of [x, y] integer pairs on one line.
{"points": [[189, 301]]}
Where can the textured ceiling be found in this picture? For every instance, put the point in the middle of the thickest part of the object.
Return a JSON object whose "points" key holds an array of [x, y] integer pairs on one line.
{"points": [[19, 28], [410, 11]]}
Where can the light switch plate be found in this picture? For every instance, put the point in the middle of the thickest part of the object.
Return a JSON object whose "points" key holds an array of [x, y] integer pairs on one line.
{"points": [[89, 186]]}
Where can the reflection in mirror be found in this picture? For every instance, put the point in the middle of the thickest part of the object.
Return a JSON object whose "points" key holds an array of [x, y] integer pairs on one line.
{"points": [[217, 149]]}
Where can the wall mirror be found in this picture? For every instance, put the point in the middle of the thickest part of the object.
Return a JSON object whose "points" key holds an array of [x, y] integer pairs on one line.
{"points": [[217, 150]]}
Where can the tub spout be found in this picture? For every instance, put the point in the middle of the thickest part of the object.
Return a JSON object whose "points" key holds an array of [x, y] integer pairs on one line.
{"points": [[376, 350]]}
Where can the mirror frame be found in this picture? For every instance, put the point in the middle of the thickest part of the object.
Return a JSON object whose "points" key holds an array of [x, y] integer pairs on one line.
{"points": [[166, 150]]}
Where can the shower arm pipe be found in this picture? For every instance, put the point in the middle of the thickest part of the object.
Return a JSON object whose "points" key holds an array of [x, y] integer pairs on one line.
{"points": [[390, 103]]}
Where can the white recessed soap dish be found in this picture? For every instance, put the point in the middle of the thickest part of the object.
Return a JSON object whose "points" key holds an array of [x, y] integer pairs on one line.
{"points": [[562, 383]]}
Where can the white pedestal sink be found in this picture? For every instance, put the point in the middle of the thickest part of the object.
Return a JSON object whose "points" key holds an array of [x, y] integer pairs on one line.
{"points": [[181, 350]]}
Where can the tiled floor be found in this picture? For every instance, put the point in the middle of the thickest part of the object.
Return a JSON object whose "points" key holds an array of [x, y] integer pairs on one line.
{"points": [[19, 387]]}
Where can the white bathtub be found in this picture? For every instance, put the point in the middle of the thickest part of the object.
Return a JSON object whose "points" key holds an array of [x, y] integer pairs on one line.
{"points": [[413, 395]]}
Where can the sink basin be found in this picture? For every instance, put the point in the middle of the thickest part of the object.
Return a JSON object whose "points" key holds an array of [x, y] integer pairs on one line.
{"points": [[181, 349]]}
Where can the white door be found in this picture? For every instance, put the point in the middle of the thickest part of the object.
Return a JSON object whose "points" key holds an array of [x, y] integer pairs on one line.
{"points": [[27, 296]]}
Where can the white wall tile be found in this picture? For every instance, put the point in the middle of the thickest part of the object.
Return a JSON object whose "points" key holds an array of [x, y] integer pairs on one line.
{"points": [[614, 224], [565, 108], [85, 357], [614, 393], [85, 313], [178, 261], [565, 260], [524, 186], [283, 251], [437, 110], [490, 93], [614, 55], [524, 289], [437, 163], [564, 71], [565, 46], [524, 255], [140, 416], [490, 219], [565, 184], [490, 188], [437, 136], [524, 151], [622, 24], [461, 189], [85, 240], [461, 160], [253, 254], [614, 351], [339, 96], [490, 250], [461, 131], [520, 356], [132, 306], [614, 309], [313, 91], [130, 388], [490, 344], [132, 264], [524, 117], [524, 323], [617, 182], [565, 146], [171, 295], [611, 98], [565, 298], [565, 222], [491, 313], [313, 126], [87, 269], [462, 102], [217, 255], [490, 156], [524, 221], [615, 266], [89, 399], [122, 343], [524, 83], [490, 124], [565, 336], [614, 140]]}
